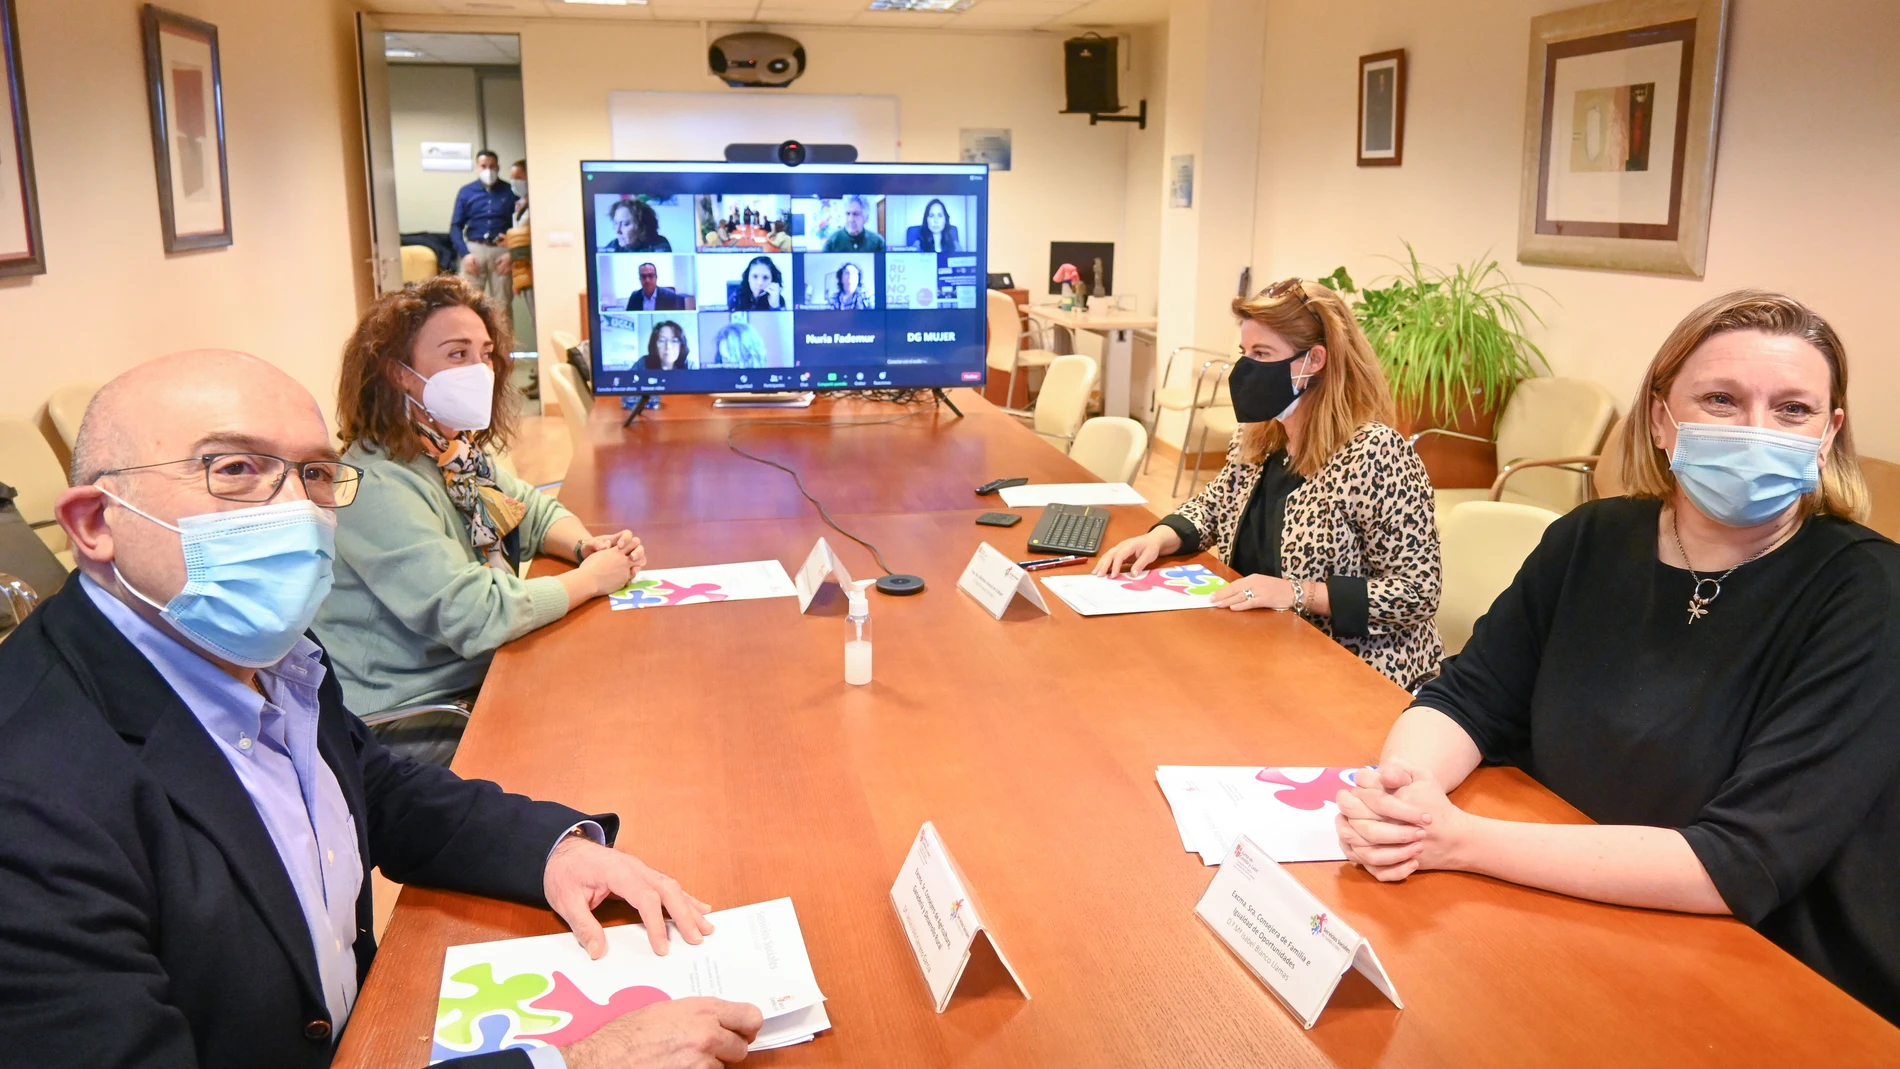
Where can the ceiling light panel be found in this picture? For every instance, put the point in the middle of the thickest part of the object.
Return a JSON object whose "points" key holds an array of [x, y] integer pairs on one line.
{"points": [[933, 7]]}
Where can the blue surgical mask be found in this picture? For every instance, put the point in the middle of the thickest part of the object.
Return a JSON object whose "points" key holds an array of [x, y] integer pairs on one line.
{"points": [[1743, 476], [254, 578]]}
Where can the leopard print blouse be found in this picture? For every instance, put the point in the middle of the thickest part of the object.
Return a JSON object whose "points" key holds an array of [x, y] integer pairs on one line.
{"points": [[1367, 512]]}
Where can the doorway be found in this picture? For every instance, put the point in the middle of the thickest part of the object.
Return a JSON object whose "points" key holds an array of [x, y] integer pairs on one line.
{"points": [[448, 163]]}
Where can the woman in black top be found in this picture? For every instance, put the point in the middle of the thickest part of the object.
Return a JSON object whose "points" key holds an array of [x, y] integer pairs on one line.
{"points": [[760, 287], [636, 228], [1322, 507], [1710, 669]]}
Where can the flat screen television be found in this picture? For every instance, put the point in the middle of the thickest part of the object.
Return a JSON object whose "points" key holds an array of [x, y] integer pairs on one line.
{"points": [[736, 277]]}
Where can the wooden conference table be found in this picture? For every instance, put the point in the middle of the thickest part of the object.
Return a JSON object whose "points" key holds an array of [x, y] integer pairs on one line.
{"points": [[742, 764]]}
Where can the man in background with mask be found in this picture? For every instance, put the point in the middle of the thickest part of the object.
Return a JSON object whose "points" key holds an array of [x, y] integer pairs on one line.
{"points": [[188, 814], [484, 210]]}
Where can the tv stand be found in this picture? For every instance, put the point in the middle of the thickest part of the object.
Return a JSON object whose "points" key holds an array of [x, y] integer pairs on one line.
{"points": [[944, 399], [639, 406]]}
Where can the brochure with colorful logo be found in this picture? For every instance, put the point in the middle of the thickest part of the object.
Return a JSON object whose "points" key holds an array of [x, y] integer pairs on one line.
{"points": [[660, 587], [1288, 810], [1184, 586], [544, 991]]}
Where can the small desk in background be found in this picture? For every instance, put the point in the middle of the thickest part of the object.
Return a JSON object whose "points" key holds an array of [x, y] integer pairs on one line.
{"points": [[1117, 330]]}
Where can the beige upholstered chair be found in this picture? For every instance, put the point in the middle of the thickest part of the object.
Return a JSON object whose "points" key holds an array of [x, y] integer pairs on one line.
{"points": [[566, 384], [419, 263], [1547, 440], [1205, 388], [1218, 426], [1064, 399], [67, 407], [1007, 351], [1606, 475], [1110, 447], [29, 465], [1482, 544]]}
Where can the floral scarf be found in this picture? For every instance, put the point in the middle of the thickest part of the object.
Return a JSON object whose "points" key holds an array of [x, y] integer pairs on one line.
{"points": [[491, 514]]}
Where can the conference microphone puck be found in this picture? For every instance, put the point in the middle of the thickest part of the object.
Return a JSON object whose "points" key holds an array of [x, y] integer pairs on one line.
{"points": [[900, 585]]}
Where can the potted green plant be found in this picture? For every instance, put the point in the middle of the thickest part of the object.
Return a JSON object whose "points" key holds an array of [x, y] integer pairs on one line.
{"points": [[1453, 347]]}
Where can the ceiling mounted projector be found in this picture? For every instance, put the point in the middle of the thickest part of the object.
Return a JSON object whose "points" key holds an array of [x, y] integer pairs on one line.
{"points": [[766, 60]]}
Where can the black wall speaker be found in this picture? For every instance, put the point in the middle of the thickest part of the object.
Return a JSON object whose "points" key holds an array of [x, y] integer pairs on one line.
{"points": [[1089, 69]]}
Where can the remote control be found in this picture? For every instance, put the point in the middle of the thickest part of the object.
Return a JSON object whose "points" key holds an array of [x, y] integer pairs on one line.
{"points": [[994, 485]]}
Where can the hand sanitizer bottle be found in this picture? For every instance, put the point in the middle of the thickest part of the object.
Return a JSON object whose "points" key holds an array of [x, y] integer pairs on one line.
{"points": [[857, 646]]}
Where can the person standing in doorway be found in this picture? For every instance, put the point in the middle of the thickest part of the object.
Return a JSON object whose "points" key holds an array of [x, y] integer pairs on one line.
{"points": [[484, 210]]}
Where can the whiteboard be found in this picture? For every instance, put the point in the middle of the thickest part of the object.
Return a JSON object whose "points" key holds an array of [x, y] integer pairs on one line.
{"points": [[699, 126]]}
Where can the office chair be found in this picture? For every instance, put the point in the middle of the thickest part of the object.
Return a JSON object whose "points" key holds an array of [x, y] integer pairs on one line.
{"points": [[27, 462], [1110, 447], [67, 407], [1481, 546], [1218, 423], [1006, 351], [1208, 387], [1547, 445], [1064, 399], [565, 382]]}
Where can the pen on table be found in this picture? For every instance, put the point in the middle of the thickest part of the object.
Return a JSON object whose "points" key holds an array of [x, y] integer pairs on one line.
{"points": [[1048, 562]]}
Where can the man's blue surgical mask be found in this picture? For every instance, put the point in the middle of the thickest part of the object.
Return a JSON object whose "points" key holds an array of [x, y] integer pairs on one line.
{"points": [[1743, 476], [254, 578]]}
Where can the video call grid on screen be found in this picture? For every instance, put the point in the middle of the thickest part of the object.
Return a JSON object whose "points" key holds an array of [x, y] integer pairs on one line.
{"points": [[715, 277]]}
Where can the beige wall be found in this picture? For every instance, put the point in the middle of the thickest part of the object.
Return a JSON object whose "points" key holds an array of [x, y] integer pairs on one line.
{"points": [[1804, 187], [1067, 182], [430, 103], [439, 102], [287, 290]]}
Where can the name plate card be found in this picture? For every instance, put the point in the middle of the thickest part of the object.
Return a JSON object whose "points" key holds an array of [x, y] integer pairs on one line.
{"points": [[940, 916], [1284, 934], [823, 563], [993, 579]]}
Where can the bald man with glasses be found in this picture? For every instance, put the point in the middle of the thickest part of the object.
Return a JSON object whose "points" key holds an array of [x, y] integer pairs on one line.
{"points": [[188, 813]]}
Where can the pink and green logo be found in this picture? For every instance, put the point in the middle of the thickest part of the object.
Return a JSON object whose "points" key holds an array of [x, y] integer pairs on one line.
{"points": [[648, 593], [1180, 579], [551, 1011]]}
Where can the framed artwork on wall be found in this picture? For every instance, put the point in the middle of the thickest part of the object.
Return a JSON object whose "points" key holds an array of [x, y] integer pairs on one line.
{"points": [[1619, 135], [187, 91], [20, 250], [1382, 109]]}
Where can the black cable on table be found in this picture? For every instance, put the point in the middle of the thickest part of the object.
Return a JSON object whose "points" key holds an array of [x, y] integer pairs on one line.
{"points": [[797, 480]]}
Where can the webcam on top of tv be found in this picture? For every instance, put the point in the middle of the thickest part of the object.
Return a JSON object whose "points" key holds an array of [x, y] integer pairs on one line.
{"points": [[791, 153]]}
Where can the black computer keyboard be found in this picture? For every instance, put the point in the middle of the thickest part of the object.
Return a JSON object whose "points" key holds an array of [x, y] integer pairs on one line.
{"points": [[1069, 529]]}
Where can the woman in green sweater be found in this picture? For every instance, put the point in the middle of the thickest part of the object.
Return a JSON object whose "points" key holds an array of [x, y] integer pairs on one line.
{"points": [[427, 585]]}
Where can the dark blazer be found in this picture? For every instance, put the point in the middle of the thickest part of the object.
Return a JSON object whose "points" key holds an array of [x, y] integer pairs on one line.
{"points": [[665, 299], [145, 918]]}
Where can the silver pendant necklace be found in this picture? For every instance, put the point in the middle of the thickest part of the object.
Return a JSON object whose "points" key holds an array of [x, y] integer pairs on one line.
{"points": [[1698, 604]]}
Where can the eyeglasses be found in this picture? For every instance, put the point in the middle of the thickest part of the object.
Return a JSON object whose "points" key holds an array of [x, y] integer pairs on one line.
{"points": [[257, 477]]}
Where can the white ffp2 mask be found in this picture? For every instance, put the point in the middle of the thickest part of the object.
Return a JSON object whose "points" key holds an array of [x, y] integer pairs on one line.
{"points": [[460, 398]]}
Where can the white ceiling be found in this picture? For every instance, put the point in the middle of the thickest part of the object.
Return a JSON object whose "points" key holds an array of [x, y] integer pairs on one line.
{"points": [[981, 15], [499, 49]]}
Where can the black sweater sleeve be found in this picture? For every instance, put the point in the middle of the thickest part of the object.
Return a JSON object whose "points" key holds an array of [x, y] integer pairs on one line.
{"points": [[1820, 751], [1487, 688]]}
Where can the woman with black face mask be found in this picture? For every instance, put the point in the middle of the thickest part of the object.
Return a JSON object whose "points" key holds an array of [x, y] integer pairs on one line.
{"points": [[1322, 507]]}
